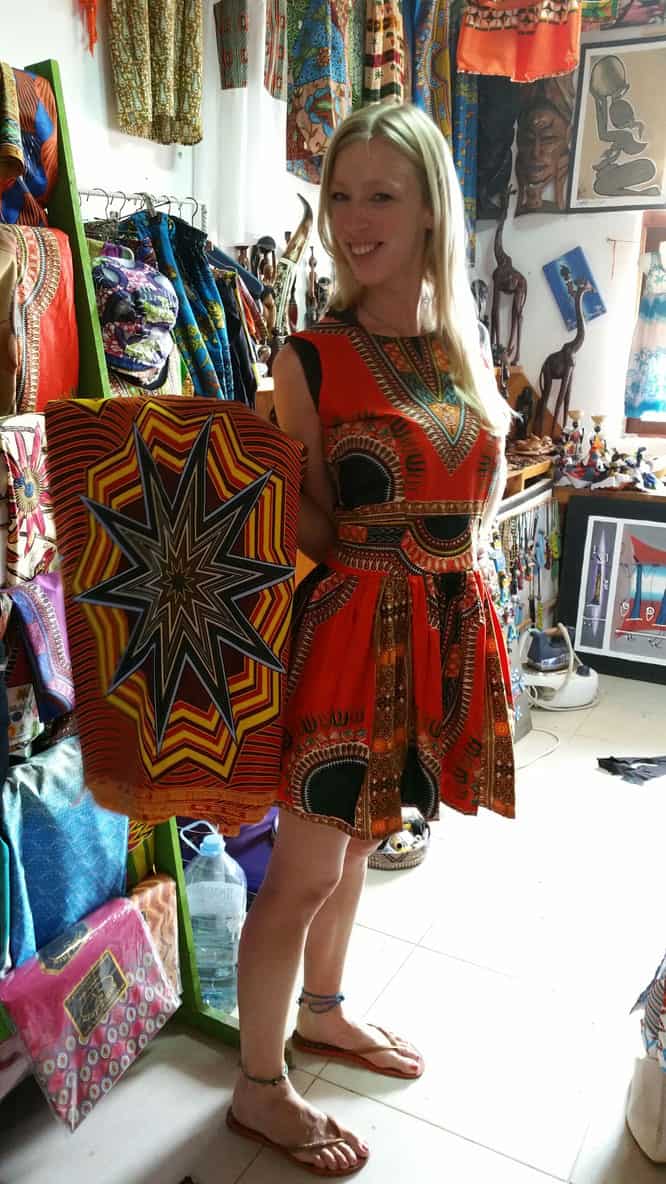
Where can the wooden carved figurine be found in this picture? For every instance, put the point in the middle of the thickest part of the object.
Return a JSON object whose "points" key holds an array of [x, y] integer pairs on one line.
{"points": [[560, 366], [507, 279]]}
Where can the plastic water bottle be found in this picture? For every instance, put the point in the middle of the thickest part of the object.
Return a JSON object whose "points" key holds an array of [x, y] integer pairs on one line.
{"points": [[217, 896]]}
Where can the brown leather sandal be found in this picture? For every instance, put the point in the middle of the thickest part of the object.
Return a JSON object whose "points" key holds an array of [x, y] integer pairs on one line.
{"points": [[359, 1056], [291, 1152]]}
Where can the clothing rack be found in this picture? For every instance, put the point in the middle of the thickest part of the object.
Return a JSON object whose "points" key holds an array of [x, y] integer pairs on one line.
{"points": [[148, 201]]}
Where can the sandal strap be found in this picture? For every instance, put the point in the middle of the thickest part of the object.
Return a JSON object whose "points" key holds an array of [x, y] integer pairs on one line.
{"points": [[402, 1047], [322, 1144]]}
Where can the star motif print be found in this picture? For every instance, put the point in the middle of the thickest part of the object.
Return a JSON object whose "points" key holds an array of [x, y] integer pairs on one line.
{"points": [[184, 583]]}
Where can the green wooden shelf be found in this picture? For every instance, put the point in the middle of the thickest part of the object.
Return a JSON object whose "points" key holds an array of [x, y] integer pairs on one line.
{"points": [[65, 214]]}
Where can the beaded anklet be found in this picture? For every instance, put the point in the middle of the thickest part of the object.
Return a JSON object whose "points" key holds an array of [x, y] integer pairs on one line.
{"points": [[319, 1004]]}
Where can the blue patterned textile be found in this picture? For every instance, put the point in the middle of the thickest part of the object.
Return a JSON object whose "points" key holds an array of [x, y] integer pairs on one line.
{"points": [[67, 855]]}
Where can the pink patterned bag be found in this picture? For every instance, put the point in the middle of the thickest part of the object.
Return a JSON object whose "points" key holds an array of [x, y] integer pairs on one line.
{"points": [[88, 1004]]}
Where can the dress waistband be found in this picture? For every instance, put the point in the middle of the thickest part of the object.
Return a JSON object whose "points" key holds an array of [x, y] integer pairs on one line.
{"points": [[386, 540]]}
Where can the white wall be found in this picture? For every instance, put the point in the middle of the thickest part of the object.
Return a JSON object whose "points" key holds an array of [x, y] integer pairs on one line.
{"points": [[239, 168], [611, 245], [33, 30]]}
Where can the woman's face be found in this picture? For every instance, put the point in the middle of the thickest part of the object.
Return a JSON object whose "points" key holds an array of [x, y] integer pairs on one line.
{"points": [[379, 217]]}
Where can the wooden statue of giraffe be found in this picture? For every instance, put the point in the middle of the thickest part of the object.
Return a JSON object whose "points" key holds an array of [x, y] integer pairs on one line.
{"points": [[560, 365], [506, 278]]}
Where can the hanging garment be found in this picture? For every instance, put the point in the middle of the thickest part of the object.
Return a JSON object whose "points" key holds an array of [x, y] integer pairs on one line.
{"points": [[40, 609], [180, 519], [414, 707], [179, 250], [232, 21], [41, 344], [431, 62], [521, 41], [156, 59], [27, 529], [137, 309], [88, 1005], [245, 382], [320, 93], [24, 197], [645, 390], [384, 73], [232, 27], [275, 58], [465, 103], [67, 855], [500, 102]]}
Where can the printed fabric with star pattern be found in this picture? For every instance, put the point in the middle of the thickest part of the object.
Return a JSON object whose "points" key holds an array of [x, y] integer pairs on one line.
{"points": [[399, 689], [180, 521]]}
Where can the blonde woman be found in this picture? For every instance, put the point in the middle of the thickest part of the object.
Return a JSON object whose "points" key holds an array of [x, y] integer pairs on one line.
{"points": [[399, 684]]}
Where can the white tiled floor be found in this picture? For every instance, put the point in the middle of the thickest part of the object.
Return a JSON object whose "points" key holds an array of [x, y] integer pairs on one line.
{"points": [[512, 956]]}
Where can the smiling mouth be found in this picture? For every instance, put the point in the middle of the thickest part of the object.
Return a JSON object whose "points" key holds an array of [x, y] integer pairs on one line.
{"points": [[360, 249]]}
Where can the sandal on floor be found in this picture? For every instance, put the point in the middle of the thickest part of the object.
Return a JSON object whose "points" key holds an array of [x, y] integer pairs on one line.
{"points": [[359, 1056], [291, 1152]]}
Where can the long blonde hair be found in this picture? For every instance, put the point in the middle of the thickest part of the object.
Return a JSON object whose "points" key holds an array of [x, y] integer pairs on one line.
{"points": [[452, 309]]}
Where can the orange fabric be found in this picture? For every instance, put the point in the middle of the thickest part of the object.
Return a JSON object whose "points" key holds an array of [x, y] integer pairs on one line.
{"points": [[45, 344], [399, 686], [524, 43]]}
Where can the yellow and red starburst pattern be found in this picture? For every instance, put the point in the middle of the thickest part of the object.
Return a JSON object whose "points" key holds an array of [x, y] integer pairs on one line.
{"points": [[179, 521]]}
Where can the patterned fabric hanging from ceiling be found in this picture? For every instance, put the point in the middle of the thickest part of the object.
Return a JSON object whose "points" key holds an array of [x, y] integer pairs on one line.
{"points": [[320, 88], [431, 62], [465, 120], [157, 66], [180, 516], [384, 62], [521, 41]]}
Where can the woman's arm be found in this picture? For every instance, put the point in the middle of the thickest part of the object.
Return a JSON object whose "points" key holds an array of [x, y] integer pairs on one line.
{"points": [[297, 416], [495, 496]]}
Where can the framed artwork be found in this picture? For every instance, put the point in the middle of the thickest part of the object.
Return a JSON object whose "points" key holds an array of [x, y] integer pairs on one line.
{"points": [[563, 274], [619, 145], [613, 586]]}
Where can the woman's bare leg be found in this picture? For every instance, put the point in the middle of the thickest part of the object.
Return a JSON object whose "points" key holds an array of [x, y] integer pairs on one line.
{"points": [[325, 954], [305, 869]]}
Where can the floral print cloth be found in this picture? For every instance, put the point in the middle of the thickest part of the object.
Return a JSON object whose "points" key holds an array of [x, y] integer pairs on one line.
{"points": [[27, 527]]}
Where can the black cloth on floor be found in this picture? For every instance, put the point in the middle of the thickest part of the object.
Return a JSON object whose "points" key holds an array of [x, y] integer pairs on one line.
{"points": [[634, 769]]}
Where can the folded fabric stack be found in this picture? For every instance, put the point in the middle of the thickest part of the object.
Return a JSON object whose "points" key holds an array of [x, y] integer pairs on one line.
{"points": [[87, 1005]]}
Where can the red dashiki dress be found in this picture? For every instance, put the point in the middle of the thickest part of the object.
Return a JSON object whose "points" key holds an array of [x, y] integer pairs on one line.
{"points": [[399, 685]]}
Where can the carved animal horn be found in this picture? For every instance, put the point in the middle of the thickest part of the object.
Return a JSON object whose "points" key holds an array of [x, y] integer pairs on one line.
{"points": [[299, 239]]}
